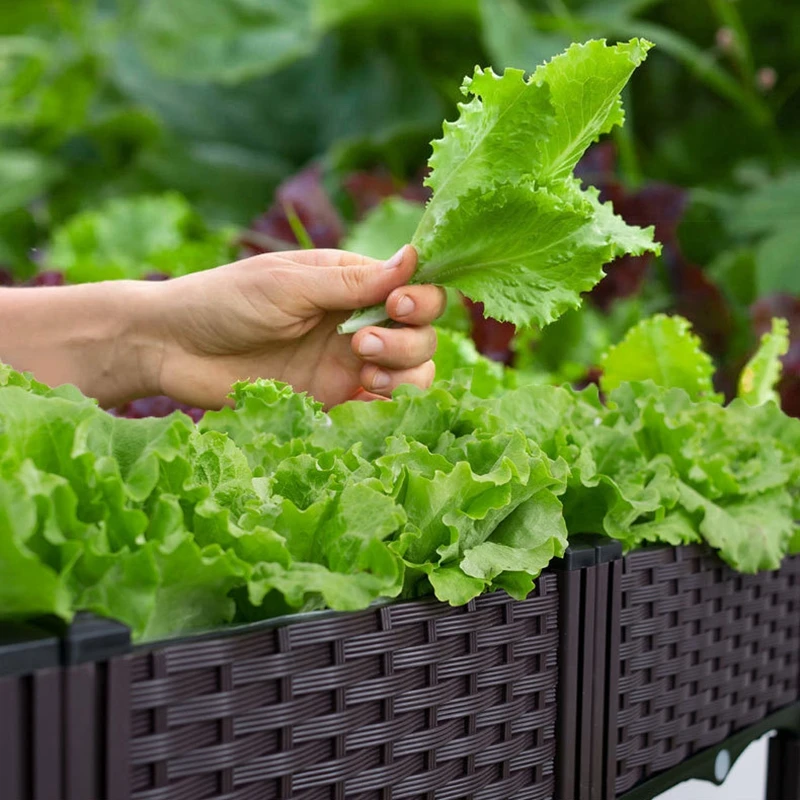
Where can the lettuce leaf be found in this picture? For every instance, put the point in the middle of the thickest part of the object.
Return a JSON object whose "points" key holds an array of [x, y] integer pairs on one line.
{"points": [[664, 350], [508, 225], [132, 237], [762, 372], [385, 229]]}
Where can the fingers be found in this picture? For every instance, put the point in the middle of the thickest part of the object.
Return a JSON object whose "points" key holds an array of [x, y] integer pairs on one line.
{"points": [[395, 348], [416, 305], [347, 281], [383, 382], [328, 257]]}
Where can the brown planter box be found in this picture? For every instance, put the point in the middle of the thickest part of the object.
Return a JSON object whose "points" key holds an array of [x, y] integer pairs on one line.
{"points": [[704, 652], [612, 673], [408, 700]]}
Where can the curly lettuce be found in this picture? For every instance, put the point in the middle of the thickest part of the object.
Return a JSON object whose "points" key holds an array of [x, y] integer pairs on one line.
{"points": [[508, 224]]}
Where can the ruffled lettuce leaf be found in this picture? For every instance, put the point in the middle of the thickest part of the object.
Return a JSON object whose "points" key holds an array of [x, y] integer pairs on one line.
{"points": [[664, 350], [762, 372], [538, 249], [132, 237], [385, 228], [508, 225]]}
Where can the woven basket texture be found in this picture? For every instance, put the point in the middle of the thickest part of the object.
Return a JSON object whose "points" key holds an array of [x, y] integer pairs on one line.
{"points": [[705, 652], [412, 700]]}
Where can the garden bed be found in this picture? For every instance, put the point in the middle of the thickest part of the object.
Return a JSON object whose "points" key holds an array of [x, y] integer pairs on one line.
{"points": [[401, 701], [614, 670], [704, 652]]}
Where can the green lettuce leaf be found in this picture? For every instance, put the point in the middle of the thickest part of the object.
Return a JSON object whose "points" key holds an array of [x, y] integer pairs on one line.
{"points": [[546, 247], [131, 237], [585, 84], [752, 534], [270, 422], [508, 225], [762, 372], [664, 350], [385, 229], [29, 586]]}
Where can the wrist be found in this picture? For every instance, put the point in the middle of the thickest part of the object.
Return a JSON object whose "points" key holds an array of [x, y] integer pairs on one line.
{"points": [[102, 337], [125, 361]]}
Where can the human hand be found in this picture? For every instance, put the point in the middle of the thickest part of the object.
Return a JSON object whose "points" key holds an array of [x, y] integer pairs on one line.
{"points": [[275, 316]]}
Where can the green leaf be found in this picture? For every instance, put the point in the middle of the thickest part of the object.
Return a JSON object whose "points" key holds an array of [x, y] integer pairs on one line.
{"points": [[752, 534], [127, 238], [24, 175], [664, 350], [385, 229], [270, 422], [508, 225], [585, 84], [452, 585], [225, 42], [545, 249], [676, 528], [762, 372], [494, 141], [423, 417], [164, 592], [525, 541], [28, 586]]}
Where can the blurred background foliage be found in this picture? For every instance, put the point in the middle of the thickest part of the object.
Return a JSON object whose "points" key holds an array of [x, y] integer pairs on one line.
{"points": [[143, 138]]}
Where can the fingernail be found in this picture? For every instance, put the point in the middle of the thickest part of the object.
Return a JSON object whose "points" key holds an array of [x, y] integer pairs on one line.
{"points": [[370, 345], [396, 260], [380, 380], [405, 306]]}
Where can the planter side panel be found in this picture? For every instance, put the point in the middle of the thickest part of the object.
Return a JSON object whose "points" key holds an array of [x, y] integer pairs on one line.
{"points": [[705, 652], [30, 735], [413, 700]]}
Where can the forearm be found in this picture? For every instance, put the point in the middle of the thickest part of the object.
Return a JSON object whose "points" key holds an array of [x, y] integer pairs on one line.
{"points": [[97, 336]]}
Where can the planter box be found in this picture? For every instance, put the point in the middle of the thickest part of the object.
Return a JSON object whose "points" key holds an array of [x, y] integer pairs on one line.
{"points": [[613, 671], [703, 652], [409, 700]]}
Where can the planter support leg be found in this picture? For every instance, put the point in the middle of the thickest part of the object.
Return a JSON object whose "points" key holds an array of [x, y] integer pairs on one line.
{"points": [[783, 767]]}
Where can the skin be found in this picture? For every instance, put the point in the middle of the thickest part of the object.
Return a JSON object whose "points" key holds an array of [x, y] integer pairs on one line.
{"points": [[271, 316]]}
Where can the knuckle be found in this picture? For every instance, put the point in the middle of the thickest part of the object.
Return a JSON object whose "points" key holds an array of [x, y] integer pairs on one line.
{"points": [[354, 280]]}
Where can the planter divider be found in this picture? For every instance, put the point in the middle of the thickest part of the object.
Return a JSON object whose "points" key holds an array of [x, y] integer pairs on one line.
{"points": [[585, 576]]}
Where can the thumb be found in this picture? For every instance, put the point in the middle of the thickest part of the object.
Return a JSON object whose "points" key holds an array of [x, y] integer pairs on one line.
{"points": [[363, 284]]}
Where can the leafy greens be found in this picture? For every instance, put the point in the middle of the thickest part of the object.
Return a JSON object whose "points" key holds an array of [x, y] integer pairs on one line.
{"points": [[508, 224], [274, 506]]}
